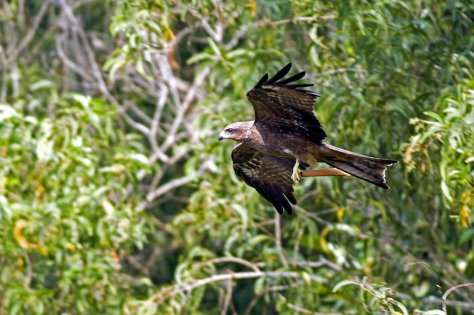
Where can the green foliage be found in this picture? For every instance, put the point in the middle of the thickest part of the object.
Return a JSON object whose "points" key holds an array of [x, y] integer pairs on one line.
{"points": [[115, 196], [66, 215], [448, 134]]}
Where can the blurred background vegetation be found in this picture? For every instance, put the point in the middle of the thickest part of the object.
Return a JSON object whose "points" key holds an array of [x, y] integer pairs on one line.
{"points": [[116, 198]]}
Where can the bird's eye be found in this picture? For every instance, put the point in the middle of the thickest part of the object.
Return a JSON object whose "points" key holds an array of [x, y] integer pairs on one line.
{"points": [[230, 130]]}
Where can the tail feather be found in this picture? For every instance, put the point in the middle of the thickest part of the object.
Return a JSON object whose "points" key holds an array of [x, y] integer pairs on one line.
{"points": [[364, 167]]}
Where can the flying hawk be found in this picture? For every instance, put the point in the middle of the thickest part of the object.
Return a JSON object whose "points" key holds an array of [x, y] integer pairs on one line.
{"points": [[285, 137]]}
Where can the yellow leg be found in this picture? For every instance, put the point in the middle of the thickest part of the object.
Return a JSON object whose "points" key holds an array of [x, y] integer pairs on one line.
{"points": [[296, 172]]}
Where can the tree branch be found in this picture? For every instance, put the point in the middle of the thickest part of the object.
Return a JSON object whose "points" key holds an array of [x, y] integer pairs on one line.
{"points": [[445, 295], [31, 33], [169, 293]]}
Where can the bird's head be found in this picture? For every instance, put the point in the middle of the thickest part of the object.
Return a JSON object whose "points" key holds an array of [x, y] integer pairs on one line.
{"points": [[236, 131]]}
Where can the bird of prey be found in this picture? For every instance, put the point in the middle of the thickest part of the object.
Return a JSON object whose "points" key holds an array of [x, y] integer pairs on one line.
{"points": [[285, 137]]}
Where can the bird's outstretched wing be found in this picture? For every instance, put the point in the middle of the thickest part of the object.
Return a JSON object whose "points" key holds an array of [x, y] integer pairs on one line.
{"points": [[284, 106], [269, 175]]}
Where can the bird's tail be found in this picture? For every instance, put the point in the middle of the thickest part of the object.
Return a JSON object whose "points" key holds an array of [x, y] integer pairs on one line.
{"points": [[364, 167]]}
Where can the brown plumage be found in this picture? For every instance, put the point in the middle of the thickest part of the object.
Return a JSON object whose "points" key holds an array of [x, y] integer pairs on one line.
{"points": [[285, 137]]}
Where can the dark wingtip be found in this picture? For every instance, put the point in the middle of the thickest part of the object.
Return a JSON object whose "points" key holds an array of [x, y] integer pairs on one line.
{"points": [[300, 85], [278, 208], [277, 80], [285, 204], [292, 201], [293, 78], [262, 81], [309, 92], [280, 74], [291, 198]]}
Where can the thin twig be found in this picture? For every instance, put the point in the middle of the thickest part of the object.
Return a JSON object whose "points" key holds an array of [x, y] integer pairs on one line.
{"points": [[69, 63], [12, 55], [188, 287], [445, 295], [228, 297], [236, 260], [96, 70], [177, 182], [278, 240], [317, 264], [322, 262], [198, 81]]}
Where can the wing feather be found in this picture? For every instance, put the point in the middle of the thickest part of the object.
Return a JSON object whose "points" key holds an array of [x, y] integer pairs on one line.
{"points": [[293, 78], [300, 85], [280, 74], [282, 106], [269, 175], [261, 81]]}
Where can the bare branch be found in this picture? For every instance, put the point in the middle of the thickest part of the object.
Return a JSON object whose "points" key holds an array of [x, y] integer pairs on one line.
{"points": [[177, 183], [155, 122], [3, 90], [166, 72], [228, 297], [96, 70], [198, 81], [233, 260], [215, 34], [317, 264], [445, 295], [69, 63], [322, 262], [140, 127], [137, 111], [188, 287], [278, 240], [12, 55]]}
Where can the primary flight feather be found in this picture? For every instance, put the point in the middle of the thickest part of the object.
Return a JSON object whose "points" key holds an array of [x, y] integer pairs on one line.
{"points": [[285, 137]]}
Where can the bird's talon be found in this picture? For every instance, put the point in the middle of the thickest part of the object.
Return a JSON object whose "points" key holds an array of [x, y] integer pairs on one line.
{"points": [[295, 175], [296, 178]]}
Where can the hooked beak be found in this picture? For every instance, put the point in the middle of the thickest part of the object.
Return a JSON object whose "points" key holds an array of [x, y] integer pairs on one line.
{"points": [[220, 137]]}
